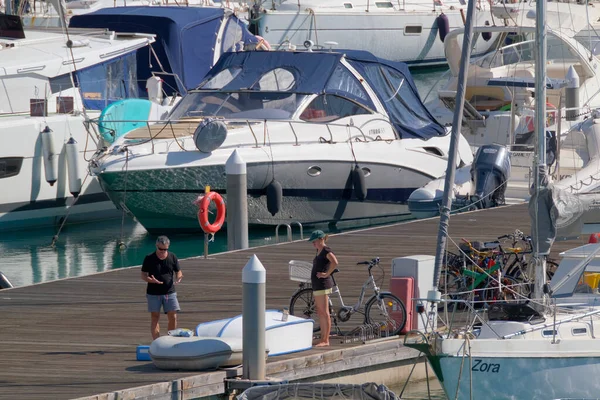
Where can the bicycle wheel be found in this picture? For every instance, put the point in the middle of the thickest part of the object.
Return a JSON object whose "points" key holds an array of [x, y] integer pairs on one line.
{"points": [[387, 311], [302, 304], [452, 286], [511, 290]]}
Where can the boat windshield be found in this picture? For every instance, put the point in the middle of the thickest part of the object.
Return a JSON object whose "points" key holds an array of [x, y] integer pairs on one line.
{"points": [[238, 104], [523, 52]]}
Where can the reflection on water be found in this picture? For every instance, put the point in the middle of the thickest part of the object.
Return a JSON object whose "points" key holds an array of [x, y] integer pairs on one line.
{"points": [[83, 249]]}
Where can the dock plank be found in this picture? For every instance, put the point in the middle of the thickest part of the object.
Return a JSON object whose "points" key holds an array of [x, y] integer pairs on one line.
{"points": [[77, 337]]}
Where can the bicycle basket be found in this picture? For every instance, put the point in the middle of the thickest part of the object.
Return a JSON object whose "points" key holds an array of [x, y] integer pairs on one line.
{"points": [[300, 271]]}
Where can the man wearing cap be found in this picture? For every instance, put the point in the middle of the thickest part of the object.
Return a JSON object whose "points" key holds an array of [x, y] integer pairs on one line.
{"points": [[324, 264]]}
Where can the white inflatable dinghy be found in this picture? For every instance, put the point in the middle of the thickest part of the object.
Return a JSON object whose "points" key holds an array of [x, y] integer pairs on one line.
{"points": [[281, 337], [195, 353]]}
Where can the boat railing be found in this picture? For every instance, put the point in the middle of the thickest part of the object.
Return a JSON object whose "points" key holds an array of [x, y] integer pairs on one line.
{"points": [[172, 134], [300, 227], [289, 231]]}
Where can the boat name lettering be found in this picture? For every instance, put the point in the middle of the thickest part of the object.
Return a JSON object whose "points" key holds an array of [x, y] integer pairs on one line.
{"points": [[520, 154], [376, 131], [480, 366]]}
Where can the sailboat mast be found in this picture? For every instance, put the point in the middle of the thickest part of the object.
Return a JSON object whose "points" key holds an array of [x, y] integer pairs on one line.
{"points": [[454, 138], [540, 129]]}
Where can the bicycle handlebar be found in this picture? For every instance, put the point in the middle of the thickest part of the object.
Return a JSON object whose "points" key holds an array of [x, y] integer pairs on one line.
{"points": [[371, 263]]}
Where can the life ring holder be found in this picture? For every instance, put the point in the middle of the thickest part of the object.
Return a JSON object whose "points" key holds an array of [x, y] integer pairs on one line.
{"points": [[203, 202]]}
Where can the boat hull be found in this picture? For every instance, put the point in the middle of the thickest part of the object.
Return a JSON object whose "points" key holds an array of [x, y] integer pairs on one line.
{"points": [[417, 32], [162, 199], [28, 200]]}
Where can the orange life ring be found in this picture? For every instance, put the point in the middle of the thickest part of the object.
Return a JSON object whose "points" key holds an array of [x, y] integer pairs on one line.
{"points": [[203, 203]]}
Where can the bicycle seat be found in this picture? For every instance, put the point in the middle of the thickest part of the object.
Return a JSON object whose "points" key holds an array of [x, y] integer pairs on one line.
{"points": [[334, 271], [513, 249]]}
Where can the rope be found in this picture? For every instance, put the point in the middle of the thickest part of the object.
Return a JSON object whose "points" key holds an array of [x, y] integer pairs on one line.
{"points": [[64, 220], [121, 243]]}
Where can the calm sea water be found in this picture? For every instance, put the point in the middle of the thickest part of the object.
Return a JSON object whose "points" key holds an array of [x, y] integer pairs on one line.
{"points": [[83, 249]]}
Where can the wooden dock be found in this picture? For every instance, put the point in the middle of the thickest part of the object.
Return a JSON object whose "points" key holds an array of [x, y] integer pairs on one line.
{"points": [[77, 337]]}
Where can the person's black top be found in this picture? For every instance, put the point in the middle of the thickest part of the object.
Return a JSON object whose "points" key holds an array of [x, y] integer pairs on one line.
{"points": [[163, 270], [321, 264]]}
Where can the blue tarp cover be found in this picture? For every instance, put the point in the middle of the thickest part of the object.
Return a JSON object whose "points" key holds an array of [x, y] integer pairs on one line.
{"points": [[396, 89], [185, 37], [311, 70], [314, 74]]}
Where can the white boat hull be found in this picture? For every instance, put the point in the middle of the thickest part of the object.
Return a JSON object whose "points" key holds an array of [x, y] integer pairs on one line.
{"points": [[28, 200]]}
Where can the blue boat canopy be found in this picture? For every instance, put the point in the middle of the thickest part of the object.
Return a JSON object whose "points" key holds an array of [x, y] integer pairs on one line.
{"points": [[185, 39], [323, 72]]}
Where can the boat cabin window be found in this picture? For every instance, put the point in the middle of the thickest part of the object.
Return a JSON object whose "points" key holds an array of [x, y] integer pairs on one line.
{"points": [[276, 80], [579, 331], [549, 332], [523, 52], [10, 166], [108, 82], [348, 5], [222, 78], [384, 4], [248, 104], [327, 108], [344, 83], [60, 83], [232, 35], [413, 29]]}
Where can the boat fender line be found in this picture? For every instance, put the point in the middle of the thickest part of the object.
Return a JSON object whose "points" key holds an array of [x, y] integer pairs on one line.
{"points": [[262, 44], [486, 35], [50, 159], [73, 167], [358, 183], [203, 202], [274, 193], [443, 26], [4, 282]]}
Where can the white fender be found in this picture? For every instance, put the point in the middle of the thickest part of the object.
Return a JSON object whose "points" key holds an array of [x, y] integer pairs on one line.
{"points": [[73, 167], [50, 156]]}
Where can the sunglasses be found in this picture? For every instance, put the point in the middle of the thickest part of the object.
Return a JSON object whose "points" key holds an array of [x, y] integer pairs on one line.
{"points": [[161, 249]]}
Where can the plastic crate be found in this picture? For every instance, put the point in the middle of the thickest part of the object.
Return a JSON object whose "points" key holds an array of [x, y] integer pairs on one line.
{"points": [[300, 271], [141, 353]]}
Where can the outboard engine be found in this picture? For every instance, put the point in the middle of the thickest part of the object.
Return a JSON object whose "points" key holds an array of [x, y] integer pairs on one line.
{"points": [[490, 171]]}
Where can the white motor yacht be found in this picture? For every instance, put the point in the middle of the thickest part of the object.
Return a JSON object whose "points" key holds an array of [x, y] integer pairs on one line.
{"points": [[326, 137]]}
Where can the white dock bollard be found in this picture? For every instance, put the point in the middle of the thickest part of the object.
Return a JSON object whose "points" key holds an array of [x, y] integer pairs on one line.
{"points": [[237, 202], [254, 277]]}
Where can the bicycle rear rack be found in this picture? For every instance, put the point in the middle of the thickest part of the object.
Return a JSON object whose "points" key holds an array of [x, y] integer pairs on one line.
{"points": [[289, 231]]}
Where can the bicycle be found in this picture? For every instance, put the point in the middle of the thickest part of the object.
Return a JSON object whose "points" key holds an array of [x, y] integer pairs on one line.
{"points": [[382, 308]]}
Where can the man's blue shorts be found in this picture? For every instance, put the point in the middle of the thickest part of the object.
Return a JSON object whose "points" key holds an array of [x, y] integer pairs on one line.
{"points": [[167, 301]]}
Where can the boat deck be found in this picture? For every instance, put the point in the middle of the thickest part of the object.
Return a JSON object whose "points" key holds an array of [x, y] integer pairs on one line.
{"points": [[77, 337]]}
